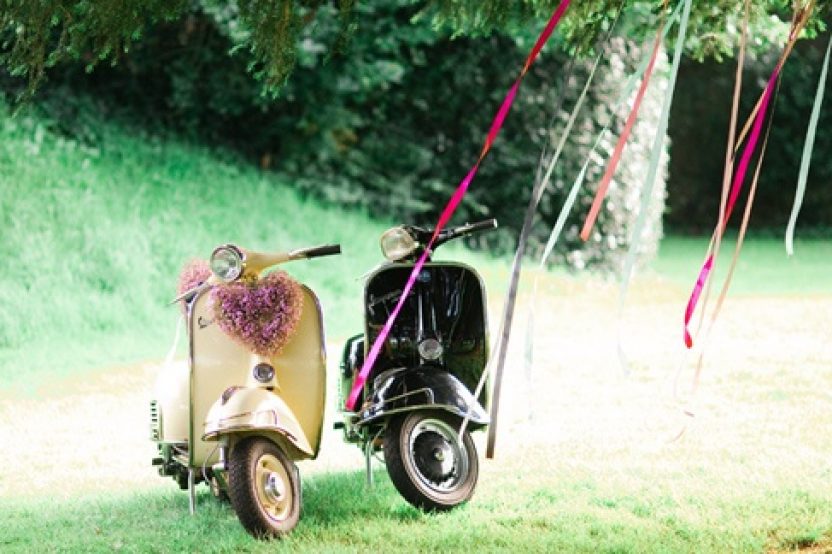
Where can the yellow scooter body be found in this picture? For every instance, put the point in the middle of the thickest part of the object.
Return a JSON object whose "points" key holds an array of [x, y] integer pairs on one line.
{"points": [[224, 399]]}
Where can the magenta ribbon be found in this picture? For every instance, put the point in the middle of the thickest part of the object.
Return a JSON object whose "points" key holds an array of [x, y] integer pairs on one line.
{"points": [[452, 205], [736, 188]]}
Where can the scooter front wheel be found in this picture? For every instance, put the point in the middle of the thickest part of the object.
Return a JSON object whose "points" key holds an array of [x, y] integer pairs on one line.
{"points": [[430, 467], [264, 488]]}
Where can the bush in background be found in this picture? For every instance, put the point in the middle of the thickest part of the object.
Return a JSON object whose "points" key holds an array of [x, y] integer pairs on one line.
{"points": [[393, 123], [699, 126]]}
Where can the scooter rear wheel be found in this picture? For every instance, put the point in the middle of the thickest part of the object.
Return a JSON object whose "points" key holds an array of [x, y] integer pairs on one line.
{"points": [[430, 467], [264, 488]]}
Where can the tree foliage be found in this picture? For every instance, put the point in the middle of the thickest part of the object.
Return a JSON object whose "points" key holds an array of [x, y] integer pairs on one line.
{"points": [[699, 123], [38, 34], [392, 126]]}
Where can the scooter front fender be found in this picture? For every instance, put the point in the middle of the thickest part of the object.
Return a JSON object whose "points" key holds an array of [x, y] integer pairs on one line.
{"points": [[405, 389], [250, 410]]}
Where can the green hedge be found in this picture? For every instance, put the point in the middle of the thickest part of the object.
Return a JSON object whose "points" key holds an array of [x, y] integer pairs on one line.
{"points": [[699, 126], [393, 123]]}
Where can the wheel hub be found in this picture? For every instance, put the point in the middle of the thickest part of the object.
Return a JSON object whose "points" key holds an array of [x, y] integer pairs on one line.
{"points": [[275, 487], [438, 459]]}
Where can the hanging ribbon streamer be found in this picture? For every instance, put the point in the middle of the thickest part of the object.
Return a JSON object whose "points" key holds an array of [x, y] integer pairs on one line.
{"points": [[622, 141], [655, 156], [508, 309], [629, 87], [736, 187], [730, 151], [689, 409], [807, 153], [505, 327], [450, 208], [799, 22]]}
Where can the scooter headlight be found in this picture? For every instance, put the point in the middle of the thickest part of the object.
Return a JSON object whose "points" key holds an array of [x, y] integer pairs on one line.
{"points": [[396, 243], [430, 349], [227, 263]]}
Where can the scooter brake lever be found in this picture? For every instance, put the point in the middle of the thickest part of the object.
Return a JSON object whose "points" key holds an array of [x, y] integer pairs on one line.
{"points": [[195, 290]]}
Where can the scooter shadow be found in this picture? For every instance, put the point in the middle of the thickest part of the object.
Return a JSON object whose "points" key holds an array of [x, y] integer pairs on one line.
{"points": [[151, 517], [332, 498]]}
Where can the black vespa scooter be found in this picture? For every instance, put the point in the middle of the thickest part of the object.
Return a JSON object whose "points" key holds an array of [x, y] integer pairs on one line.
{"points": [[423, 381]]}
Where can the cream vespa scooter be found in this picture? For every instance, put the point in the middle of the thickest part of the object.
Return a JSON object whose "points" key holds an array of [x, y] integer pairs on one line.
{"points": [[240, 413]]}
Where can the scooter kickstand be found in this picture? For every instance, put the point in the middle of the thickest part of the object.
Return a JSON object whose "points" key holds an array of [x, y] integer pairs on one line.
{"points": [[191, 490], [368, 458]]}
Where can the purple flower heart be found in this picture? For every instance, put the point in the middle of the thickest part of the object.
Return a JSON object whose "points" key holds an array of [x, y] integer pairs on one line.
{"points": [[261, 315]]}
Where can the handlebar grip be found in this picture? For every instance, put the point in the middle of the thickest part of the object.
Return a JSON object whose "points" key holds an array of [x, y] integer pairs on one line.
{"points": [[486, 225], [317, 251]]}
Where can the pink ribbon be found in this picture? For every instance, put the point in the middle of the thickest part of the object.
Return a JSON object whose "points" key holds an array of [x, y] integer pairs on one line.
{"points": [[694, 296], [736, 188], [452, 204]]}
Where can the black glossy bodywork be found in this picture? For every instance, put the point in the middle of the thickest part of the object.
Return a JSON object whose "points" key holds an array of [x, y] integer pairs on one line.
{"points": [[403, 389], [447, 303], [453, 312]]}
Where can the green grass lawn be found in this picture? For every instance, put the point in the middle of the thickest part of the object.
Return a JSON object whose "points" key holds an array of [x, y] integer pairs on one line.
{"points": [[93, 238]]}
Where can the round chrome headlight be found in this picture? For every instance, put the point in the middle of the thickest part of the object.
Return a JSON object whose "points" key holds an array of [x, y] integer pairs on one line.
{"points": [[396, 243], [227, 263], [430, 349]]}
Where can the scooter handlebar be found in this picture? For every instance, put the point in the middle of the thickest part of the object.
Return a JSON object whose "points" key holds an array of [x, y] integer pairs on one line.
{"points": [[318, 251], [471, 228], [485, 225]]}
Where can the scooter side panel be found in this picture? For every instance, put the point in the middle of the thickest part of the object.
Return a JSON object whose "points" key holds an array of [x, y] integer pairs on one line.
{"points": [[217, 362], [301, 371]]}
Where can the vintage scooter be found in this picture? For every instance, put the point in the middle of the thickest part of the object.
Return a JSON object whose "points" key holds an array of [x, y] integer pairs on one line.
{"points": [[239, 414], [423, 382]]}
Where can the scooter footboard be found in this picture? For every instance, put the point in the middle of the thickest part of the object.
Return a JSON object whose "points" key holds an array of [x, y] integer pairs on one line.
{"points": [[406, 389]]}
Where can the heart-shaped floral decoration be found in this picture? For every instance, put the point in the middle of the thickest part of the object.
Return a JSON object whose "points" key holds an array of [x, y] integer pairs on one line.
{"points": [[193, 274], [261, 315]]}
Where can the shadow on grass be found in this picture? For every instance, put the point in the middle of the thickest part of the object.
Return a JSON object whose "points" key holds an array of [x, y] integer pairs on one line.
{"points": [[334, 505], [341, 514]]}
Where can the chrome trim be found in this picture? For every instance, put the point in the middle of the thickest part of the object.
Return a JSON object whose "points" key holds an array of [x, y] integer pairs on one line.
{"points": [[252, 427], [237, 250], [155, 422], [190, 317], [426, 390], [244, 427], [448, 408]]}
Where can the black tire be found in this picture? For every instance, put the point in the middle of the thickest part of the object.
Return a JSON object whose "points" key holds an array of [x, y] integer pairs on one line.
{"points": [[425, 461], [264, 488]]}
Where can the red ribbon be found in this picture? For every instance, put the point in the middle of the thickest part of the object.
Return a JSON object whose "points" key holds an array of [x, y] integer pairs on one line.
{"points": [[622, 141], [736, 188], [450, 208]]}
